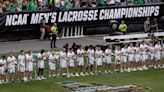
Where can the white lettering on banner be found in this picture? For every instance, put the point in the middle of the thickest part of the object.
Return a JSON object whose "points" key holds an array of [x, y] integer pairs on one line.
{"points": [[131, 12], [16, 19], [75, 16], [82, 15], [36, 17]]}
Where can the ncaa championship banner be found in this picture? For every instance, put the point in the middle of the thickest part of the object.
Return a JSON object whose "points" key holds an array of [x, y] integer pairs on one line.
{"points": [[81, 16]]}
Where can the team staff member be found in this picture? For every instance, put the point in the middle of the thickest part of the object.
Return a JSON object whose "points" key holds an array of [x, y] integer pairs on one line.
{"points": [[54, 31], [123, 27]]}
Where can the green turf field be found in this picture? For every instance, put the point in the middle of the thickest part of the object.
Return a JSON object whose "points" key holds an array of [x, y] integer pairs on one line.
{"points": [[154, 78]]}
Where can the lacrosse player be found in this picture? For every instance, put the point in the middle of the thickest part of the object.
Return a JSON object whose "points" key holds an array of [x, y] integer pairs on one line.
{"points": [[108, 59], [30, 64], [99, 56], [158, 49], [2, 69]]}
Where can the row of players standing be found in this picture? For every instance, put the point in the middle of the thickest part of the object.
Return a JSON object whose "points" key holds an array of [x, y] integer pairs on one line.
{"points": [[128, 58]]}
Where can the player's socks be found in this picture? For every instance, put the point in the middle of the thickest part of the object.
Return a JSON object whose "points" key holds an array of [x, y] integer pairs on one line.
{"points": [[86, 73]]}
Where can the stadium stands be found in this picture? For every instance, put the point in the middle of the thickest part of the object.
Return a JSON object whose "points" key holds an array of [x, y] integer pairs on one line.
{"points": [[35, 5]]}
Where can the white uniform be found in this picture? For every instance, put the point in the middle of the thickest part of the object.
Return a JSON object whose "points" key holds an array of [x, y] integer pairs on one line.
{"points": [[30, 60], [11, 64], [98, 55], [158, 52], [41, 59], [2, 66], [71, 56], [137, 54], [63, 59], [80, 57], [21, 63], [117, 56], [144, 48], [108, 56], [90, 56], [124, 55], [130, 53], [151, 52], [52, 62]]}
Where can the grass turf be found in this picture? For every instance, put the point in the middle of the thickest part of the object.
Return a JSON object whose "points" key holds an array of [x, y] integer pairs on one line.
{"points": [[154, 78]]}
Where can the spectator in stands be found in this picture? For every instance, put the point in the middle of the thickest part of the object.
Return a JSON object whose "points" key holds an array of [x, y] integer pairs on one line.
{"points": [[139, 2], [67, 4], [6, 6], [130, 2], [147, 25], [42, 28], [19, 5], [24, 5], [110, 2], [1, 7], [76, 3], [84, 3], [117, 2], [31, 6], [93, 3], [154, 26], [123, 27], [123, 2], [101, 2]]}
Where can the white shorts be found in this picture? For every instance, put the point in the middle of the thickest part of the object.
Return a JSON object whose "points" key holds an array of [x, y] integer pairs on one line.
{"points": [[157, 56], [41, 64], [152, 57], [131, 58], [124, 59], [108, 60], [21, 68], [137, 58], [98, 61], [52, 66], [81, 61], [91, 62], [11, 69], [71, 64], [63, 64], [2, 70], [30, 67]]}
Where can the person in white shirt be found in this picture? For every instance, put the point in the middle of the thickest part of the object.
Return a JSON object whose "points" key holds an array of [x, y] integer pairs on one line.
{"points": [[108, 59], [158, 49], [118, 66], [99, 56], [91, 58], [71, 59], [2, 69], [124, 57], [41, 60], [21, 65], [151, 54], [63, 62], [30, 64], [162, 56], [145, 54], [80, 60], [11, 60], [136, 57], [53, 58], [130, 57]]}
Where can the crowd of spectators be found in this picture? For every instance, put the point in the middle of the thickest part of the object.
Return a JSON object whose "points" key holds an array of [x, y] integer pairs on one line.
{"points": [[32, 5]]}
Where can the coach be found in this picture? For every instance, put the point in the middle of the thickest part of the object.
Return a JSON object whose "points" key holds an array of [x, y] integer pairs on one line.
{"points": [[54, 31]]}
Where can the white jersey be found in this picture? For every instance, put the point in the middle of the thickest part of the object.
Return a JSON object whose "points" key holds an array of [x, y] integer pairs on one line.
{"points": [[124, 55], [2, 66], [11, 61], [30, 60], [21, 60], [117, 55], [63, 59], [71, 56], [2, 63], [157, 49], [108, 56], [80, 57], [52, 61], [41, 59], [99, 55], [90, 54]]}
